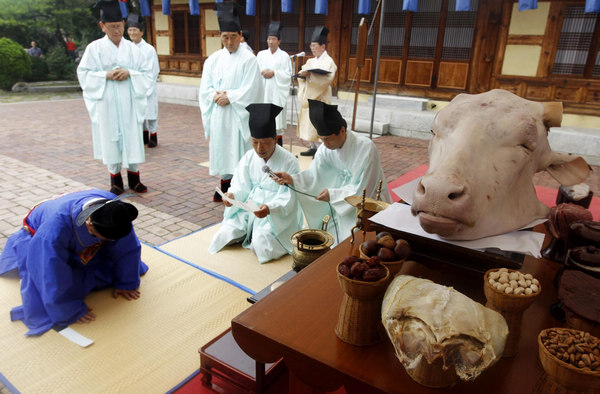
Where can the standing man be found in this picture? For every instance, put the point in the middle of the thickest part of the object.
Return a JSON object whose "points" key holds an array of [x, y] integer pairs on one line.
{"points": [[115, 81], [314, 85], [244, 44], [230, 82], [344, 166], [135, 32], [266, 231], [68, 247], [70, 45], [276, 70], [34, 50]]}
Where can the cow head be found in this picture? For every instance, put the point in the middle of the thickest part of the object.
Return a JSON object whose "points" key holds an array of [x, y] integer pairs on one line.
{"points": [[482, 157]]}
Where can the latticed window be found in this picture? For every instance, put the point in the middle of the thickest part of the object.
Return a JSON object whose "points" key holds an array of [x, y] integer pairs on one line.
{"points": [[392, 33], [186, 32], [355, 22], [458, 34], [290, 30], [425, 23], [575, 44]]}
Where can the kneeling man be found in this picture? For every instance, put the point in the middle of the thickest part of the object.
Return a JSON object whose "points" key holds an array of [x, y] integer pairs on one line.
{"points": [[344, 165], [67, 247], [267, 231]]}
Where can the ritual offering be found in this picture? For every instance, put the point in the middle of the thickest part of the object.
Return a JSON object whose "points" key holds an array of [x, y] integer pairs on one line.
{"points": [[571, 358], [439, 334], [579, 194], [310, 244], [510, 293], [392, 252], [579, 294], [364, 283], [559, 221], [485, 150]]}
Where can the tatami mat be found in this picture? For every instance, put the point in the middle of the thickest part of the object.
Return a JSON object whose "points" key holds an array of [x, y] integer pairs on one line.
{"points": [[142, 346], [233, 262]]}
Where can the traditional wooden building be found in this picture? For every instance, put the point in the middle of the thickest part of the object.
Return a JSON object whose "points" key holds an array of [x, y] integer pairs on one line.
{"points": [[549, 53]]}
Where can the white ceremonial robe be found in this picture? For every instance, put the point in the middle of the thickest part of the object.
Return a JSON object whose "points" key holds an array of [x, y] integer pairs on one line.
{"points": [[268, 237], [277, 88], [344, 172], [314, 87], [116, 108], [151, 58], [226, 127]]}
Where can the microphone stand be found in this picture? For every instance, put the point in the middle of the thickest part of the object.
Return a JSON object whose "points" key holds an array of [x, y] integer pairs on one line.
{"points": [[293, 94]]}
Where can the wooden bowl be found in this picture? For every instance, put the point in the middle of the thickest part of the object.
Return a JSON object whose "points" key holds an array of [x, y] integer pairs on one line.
{"points": [[393, 266], [563, 373], [511, 307], [359, 319]]}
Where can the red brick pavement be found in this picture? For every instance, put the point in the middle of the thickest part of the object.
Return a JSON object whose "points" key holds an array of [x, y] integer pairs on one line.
{"points": [[56, 135]]}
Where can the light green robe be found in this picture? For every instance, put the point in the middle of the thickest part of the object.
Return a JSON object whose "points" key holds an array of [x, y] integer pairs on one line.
{"points": [[344, 172], [268, 237], [116, 108], [277, 88], [226, 127]]}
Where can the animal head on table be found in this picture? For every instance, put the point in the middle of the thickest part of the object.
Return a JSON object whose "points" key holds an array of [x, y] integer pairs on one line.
{"points": [[482, 157]]}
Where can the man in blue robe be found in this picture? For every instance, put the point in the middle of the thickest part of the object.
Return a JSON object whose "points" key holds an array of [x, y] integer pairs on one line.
{"points": [[68, 247]]}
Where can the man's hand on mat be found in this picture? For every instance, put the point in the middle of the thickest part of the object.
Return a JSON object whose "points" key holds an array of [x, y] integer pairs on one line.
{"points": [[88, 317], [128, 294]]}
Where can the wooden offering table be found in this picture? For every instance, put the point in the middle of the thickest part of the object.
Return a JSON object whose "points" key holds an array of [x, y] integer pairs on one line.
{"points": [[296, 322]]}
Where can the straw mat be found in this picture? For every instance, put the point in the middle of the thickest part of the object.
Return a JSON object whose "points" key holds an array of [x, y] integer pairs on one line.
{"points": [[233, 262], [142, 346]]}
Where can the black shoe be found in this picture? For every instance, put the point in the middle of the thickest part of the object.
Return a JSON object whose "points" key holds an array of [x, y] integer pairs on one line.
{"points": [[116, 183], [153, 141], [310, 152], [145, 136], [217, 197], [133, 179]]}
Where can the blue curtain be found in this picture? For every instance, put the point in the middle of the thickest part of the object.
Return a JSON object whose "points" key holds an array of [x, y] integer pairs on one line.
{"points": [[463, 5], [321, 7], [166, 7], [364, 7], [287, 6], [123, 5], [592, 5], [251, 7], [145, 8], [525, 5], [194, 7], [409, 5]]}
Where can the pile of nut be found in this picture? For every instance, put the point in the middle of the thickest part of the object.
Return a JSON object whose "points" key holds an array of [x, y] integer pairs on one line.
{"points": [[386, 247], [369, 270], [578, 348], [513, 282]]}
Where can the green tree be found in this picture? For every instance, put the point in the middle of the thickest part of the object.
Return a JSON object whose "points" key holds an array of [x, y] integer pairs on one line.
{"points": [[15, 63]]}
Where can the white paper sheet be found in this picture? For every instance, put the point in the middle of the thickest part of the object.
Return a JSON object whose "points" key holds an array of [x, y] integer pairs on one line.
{"points": [[75, 337], [249, 205], [399, 217]]}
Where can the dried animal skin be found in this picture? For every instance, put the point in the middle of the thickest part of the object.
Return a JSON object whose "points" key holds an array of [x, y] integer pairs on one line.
{"points": [[426, 321]]}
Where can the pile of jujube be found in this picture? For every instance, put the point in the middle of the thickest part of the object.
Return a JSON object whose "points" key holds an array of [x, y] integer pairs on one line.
{"points": [[369, 270], [386, 248]]}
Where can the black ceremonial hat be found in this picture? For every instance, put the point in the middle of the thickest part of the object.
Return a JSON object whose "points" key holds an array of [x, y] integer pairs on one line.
{"points": [[320, 35], [262, 120], [133, 20], [109, 11], [228, 16], [113, 219], [326, 118], [274, 29]]}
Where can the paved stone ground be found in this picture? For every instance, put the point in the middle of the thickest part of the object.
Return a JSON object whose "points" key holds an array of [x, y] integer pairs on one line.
{"points": [[45, 149]]}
